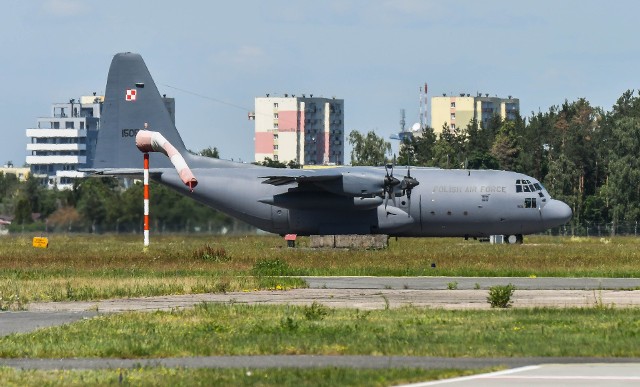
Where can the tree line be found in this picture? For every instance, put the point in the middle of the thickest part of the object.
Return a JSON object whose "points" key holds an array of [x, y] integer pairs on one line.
{"points": [[584, 155], [106, 204]]}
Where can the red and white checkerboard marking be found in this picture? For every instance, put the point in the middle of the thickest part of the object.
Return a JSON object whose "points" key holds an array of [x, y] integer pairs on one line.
{"points": [[131, 95]]}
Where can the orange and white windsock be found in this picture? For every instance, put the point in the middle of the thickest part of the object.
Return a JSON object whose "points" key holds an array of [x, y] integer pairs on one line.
{"points": [[149, 141]]}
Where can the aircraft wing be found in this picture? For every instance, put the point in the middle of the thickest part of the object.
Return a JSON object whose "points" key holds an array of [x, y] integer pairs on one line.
{"points": [[340, 181], [300, 178]]}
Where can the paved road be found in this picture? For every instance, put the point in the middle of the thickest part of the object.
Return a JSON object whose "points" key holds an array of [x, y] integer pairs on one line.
{"points": [[305, 361], [21, 322], [435, 283]]}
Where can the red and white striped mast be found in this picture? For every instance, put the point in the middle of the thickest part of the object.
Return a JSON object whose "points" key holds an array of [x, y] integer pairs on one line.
{"points": [[146, 199]]}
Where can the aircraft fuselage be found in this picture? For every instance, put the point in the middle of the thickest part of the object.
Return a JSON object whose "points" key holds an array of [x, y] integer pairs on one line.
{"points": [[467, 203]]}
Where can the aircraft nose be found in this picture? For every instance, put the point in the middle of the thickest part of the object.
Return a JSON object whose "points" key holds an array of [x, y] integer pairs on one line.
{"points": [[556, 213]]}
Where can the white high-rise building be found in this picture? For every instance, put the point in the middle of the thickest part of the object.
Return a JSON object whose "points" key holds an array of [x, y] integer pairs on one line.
{"points": [[65, 141], [307, 130]]}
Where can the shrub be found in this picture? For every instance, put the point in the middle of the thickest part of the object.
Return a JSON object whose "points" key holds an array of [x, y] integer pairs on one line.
{"points": [[500, 295], [316, 311]]}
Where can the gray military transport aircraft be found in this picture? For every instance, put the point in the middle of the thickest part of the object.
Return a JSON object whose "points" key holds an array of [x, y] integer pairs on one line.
{"points": [[421, 202]]}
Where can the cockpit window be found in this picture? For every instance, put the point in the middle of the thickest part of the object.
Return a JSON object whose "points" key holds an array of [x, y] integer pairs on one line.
{"points": [[523, 185]]}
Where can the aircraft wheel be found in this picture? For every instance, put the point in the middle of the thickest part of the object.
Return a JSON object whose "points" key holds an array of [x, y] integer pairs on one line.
{"points": [[511, 239], [519, 239]]}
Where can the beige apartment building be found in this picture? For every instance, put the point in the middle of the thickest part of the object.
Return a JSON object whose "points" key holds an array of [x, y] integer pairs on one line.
{"points": [[307, 130], [455, 112]]}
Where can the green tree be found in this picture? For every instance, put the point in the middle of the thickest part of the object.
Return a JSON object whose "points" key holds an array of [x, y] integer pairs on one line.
{"points": [[449, 148], [535, 144], [98, 201], [505, 148], [292, 164], [418, 149], [478, 147], [210, 152], [369, 149], [623, 186], [268, 162], [573, 154], [22, 214]]}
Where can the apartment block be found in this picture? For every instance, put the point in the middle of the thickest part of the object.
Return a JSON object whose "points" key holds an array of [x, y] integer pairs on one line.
{"points": [[455, 112], [307, 130]]}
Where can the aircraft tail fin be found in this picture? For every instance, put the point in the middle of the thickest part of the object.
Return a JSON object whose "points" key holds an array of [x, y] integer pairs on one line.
{"points": [[131, 102]]}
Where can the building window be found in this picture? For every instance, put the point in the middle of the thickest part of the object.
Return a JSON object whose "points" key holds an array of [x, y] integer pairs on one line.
{"points": [[453, 116], [275, 115], [275, 147], [453, 126], [275, 136], [275, 105], [275, 125], [275, 157], [453, 105]]}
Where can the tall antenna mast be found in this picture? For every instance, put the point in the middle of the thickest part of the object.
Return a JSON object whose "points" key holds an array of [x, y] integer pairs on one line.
{"points": [[426, 101], [421, 112]]}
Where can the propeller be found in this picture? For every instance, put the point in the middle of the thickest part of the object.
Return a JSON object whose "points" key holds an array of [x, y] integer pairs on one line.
{"points": [[407, 184], [389, 185]]}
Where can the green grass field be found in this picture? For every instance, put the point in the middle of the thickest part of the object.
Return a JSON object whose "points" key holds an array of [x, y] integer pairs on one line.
{"points": [[226, 377], [108, 266], [239, 329]]}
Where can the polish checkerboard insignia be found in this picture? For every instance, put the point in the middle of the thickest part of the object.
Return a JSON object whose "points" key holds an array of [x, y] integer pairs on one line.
{"points": [[131, 95]]}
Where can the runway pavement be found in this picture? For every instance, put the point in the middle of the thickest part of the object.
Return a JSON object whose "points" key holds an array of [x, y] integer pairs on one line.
{"points": [[393, 292], [583, 375]]}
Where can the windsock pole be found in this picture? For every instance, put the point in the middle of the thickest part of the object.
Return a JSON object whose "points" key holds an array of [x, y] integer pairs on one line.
{"points": [[146, 199]]}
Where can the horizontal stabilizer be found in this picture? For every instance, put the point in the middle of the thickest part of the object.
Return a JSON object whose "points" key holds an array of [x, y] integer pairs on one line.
{"points": [[121, 172]]}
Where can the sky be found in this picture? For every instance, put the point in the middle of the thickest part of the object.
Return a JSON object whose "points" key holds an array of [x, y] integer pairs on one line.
{"points": [[215, 57]]}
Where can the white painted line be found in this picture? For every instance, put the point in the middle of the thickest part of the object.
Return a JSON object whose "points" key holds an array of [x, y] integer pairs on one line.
{"points": [[473, 377], [566, 377]]}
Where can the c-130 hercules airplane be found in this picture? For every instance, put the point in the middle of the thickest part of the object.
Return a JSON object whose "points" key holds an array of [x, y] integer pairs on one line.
{"points": [[423, 202]]}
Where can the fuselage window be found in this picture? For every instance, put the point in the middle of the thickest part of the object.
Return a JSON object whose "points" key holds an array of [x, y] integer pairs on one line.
{"points": [[530, 203]]}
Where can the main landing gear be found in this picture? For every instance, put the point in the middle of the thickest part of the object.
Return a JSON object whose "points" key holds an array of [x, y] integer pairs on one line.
{"points": [[514, 239]]}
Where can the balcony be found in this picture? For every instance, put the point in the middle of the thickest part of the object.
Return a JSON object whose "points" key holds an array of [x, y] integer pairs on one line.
{"points": [[57, 133], [56, 147], [56, 159]]}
